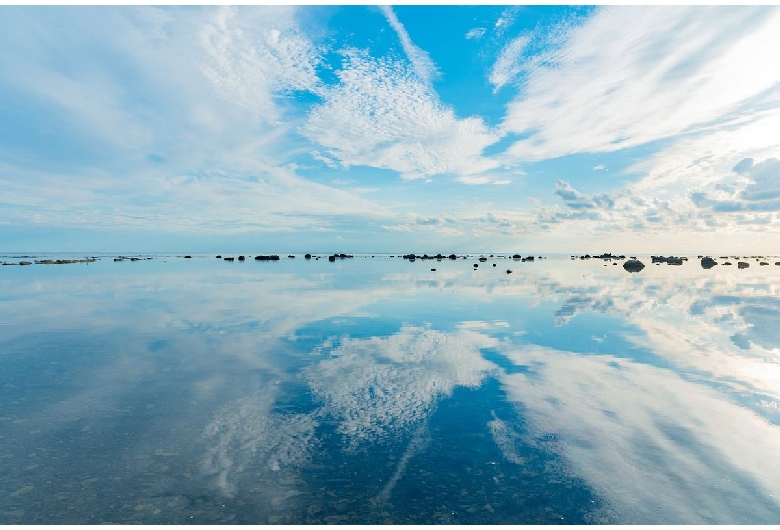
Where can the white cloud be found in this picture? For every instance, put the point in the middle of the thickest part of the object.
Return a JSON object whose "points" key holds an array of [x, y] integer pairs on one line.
{"points": [[506, 20], [677, 70], [247, 431], [421, 62], [383, 387], [476, 33], [643, 437], [509, 63], [254, 56], [382, 115]]}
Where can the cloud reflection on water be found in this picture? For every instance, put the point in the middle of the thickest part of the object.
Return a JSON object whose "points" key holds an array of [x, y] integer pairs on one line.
{"points": [[660, 448], [690, 425]]}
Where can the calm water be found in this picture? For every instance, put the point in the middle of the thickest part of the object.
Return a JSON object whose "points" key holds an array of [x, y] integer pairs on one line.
{"points": [[379, 391]]}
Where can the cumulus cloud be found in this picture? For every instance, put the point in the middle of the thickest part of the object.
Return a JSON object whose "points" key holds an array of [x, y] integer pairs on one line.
{"points": [[577, 201], [382, 115], [758, 189], [764, 179]]}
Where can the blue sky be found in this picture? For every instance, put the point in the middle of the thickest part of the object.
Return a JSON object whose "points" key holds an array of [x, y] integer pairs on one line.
{"points": [[406, 128]]}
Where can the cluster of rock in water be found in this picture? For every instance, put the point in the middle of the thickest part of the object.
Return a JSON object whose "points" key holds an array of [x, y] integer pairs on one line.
{"points": [[632, 264]]}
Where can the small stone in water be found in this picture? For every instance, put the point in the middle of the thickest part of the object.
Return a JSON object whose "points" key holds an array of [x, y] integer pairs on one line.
{"points": [[22, 491]]}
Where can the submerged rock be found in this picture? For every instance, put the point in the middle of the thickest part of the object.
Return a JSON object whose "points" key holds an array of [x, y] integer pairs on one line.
{"points": [[633, 265]]}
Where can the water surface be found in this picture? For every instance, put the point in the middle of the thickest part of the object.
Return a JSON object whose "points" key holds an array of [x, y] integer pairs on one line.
{"points": [[374, 390]]}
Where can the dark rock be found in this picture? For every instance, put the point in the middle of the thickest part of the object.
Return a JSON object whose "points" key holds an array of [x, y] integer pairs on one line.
{"points": [[241, 258], [307, 256], [529, 258], [229, 258], [135, 259], [669, 260], [494, 264], [219, 257], [433, 270], [119, 259], [262, 257], [633, 265], [187, 256], [476, 265], [331, 258], [25, 263], [743, 265], [453, 256], [707, 262], [727, 263], [763, 263], [777, 262], [517, 256], [508, 271], [482, 259]]}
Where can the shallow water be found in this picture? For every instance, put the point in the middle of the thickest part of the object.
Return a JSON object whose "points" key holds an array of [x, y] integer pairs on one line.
{"points": [[374, 390]]}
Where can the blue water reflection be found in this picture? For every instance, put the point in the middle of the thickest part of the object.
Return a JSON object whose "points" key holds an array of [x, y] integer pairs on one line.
{"points": [[377, 391]]}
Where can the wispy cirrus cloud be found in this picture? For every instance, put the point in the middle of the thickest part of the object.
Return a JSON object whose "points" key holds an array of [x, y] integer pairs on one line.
{"points": [[252, 59], [509, 63], [677, 70], [421, 62]]}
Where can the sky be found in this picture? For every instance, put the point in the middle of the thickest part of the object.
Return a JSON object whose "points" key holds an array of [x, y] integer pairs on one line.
{"points": [[331, 128]]}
